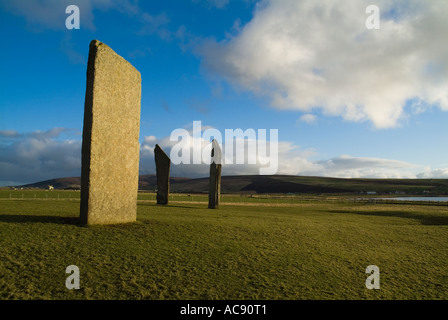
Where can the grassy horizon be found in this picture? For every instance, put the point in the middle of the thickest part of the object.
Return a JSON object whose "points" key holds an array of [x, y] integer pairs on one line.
{"points": [[314, 250]]}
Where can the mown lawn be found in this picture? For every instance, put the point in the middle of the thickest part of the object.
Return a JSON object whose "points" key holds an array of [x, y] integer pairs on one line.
{"points": [[186, 251]]}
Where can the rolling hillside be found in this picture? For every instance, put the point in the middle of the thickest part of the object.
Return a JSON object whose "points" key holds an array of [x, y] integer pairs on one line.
{"points": [[278, 184]]}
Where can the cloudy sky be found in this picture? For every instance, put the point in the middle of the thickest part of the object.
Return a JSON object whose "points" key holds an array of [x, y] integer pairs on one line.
{"points": [[347, 101]]}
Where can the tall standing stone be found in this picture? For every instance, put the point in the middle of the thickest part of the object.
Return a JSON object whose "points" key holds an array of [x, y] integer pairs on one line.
{"points": [[110, 146], [163, 163], [215, 177]]}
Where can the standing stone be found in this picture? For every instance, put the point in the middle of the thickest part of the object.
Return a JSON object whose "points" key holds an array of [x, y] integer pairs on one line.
{"points": [[163, 163], [110, 146], [215, 177]]}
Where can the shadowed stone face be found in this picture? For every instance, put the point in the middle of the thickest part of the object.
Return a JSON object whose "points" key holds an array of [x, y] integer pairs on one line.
{"points": [[163, 163], [110, 146], [215, 177]]}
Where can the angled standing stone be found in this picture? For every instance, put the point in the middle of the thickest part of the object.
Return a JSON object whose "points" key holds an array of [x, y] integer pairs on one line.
{"points": [[110, 146], [163, 163], [215, 177]]}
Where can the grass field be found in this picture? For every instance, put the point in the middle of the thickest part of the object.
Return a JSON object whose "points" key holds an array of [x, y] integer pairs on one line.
{"points": [[267, 250]]}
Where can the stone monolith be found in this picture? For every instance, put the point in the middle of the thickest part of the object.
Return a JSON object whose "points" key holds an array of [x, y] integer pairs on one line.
{"points": [[163, 163], [215, 177], [110, 141]]}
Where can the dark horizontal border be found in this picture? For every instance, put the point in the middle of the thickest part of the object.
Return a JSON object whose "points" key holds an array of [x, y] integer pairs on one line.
{"points": [[171, 309]]}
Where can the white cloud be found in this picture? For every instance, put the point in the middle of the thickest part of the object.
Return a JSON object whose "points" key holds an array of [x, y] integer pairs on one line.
{"points": [[42, 155], [233, 166], [9, 134], [308, 118], [441, 173], [155, 24], [346, 166], [306, 54], [39, 155], [150, 139], [219, 4], [292, 160], [52, 133]]}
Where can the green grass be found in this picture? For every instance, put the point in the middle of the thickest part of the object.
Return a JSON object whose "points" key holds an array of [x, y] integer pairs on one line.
{"points": [[39, 194], [313, 250]]}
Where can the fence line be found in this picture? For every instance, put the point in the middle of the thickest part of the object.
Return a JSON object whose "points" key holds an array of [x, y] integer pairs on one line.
{"points": [[225, 198]]}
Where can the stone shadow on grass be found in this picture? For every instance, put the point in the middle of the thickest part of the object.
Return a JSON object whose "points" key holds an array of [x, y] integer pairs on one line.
{"points": [[23, 218], [425, 219], [172, 206]]}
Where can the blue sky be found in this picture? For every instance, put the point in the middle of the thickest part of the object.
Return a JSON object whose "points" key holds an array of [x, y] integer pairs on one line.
{"points": [[347, 101]]}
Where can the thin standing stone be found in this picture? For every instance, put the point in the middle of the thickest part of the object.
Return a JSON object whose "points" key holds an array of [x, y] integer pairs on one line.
{"points": [[163, 163], [215, 177]]}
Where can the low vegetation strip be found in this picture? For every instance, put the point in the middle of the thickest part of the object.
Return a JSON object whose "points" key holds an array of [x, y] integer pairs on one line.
{"points": [[277, 184], [226, 199]]}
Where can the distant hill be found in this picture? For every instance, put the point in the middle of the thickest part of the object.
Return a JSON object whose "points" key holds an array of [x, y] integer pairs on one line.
{"points": [[59, 183], [277, 184]]}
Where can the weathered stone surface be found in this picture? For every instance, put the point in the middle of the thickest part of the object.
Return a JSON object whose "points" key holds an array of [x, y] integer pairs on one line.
{"points": [[215, 177], [110, 146], [163, 164]]}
